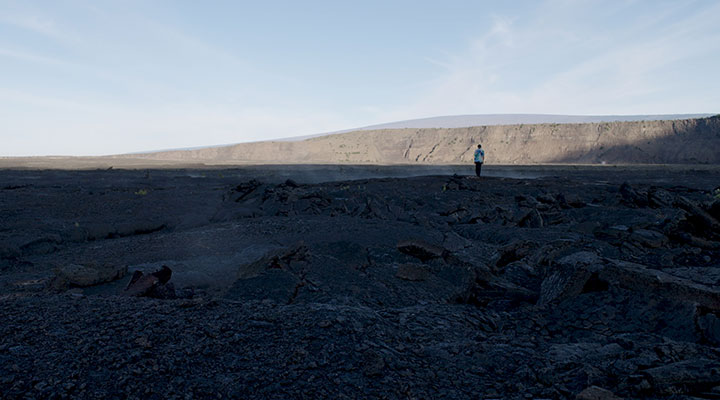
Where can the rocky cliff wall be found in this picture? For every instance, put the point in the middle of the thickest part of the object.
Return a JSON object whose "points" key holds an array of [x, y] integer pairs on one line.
{"points": [[691, 141]]}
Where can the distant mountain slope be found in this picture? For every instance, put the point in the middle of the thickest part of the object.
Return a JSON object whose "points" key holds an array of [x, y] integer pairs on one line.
{"points": [[682, 141]]}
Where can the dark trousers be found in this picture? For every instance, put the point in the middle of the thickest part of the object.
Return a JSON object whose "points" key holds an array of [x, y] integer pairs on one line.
{"points": [[478, 167]]}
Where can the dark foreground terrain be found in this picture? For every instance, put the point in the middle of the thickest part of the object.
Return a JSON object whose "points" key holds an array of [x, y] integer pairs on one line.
{"points": [[595, 283]]}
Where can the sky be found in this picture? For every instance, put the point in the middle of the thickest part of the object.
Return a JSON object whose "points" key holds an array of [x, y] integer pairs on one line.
{"points": [[94, 77]]}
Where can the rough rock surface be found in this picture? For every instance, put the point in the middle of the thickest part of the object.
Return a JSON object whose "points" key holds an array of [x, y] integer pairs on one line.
{"points": [[688, 141], [74, 275], [420, 287]]}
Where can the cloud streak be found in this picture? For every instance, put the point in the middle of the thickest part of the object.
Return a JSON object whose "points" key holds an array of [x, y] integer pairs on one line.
{"points": [[98, 78], [41, 25], [619, 71]]}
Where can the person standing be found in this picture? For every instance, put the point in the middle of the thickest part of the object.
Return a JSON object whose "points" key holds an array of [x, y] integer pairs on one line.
{"points": [[479, 159]]}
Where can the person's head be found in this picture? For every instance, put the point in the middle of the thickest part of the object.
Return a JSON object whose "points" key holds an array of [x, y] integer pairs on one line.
{"points": [[479, 146]]}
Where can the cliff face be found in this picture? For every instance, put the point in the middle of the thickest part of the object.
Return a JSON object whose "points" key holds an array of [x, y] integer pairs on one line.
{"points": [[691, 141]]}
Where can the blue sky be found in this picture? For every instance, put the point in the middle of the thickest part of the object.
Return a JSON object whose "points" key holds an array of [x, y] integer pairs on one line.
{"points": [[81, 77]]}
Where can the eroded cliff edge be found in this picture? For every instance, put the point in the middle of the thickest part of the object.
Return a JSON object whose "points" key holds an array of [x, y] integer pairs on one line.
{"points": [[690, 141]]}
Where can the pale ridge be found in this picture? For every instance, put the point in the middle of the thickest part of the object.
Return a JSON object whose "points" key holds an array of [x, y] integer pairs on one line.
{"points": [[686, 141]]}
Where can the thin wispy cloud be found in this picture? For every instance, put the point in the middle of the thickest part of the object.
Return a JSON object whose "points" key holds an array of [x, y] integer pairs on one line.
{"points": [[43, 26], [121, 77], [513, 66], [36, 58]]}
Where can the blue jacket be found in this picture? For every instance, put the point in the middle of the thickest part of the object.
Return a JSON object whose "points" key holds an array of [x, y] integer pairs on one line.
{"points": [[479, 155]]}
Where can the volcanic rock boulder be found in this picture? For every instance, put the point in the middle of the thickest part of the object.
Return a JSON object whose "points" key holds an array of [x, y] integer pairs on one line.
{"points": [[275, 276], [633, 198], [246, 188], [660, 198], [569, 277], [155, 285], [276, 259], [703, 222], [695, 225], [522, 274], [690, 376], [641, 279], [532, 219]]}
